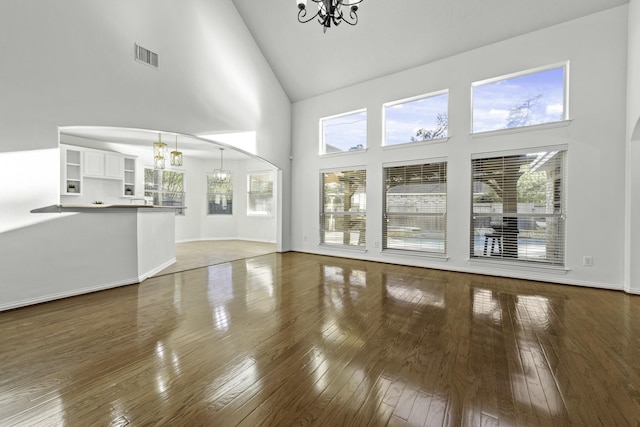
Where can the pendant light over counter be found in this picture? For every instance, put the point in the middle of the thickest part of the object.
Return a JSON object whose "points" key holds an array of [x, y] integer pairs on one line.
{"points": [[176, 156], [159, 153]]}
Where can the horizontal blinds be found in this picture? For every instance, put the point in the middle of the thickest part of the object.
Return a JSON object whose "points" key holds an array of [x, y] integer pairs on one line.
{"points": [[415, 207], [518, 207], [343, 208]]}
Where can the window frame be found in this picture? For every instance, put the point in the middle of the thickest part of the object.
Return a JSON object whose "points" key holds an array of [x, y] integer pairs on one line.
{"points": [[322, 134], [323, 213], [565, 99], [442, 165], [407, 101], [183, 193], [229, 192], [269, 193], [557, 215]]}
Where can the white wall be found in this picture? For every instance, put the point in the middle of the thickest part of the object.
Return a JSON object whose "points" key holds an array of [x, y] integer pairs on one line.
{"points": [[632, 276], [596, 48], [70, 62]]}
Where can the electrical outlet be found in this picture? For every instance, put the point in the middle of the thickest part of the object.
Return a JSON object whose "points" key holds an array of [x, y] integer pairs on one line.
{"points": [[376, 244], [304, 238], [587, 261]]}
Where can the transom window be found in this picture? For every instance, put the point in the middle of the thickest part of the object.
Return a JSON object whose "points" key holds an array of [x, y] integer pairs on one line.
{"points": [[343, 216], [165, 188], [415, 208], [518, 211], [344, 132], [525, 99], [422, 118]]}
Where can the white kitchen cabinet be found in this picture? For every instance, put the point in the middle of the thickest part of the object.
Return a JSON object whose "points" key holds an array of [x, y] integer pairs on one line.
{"points": [[113, 166], [129, 176], [100, 164], [70, 171]]}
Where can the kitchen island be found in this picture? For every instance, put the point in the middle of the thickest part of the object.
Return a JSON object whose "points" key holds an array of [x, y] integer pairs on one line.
{"points": [[87, 248]]}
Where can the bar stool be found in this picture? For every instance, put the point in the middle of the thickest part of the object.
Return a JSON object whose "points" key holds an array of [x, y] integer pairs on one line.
{"points": [[494, 237]]}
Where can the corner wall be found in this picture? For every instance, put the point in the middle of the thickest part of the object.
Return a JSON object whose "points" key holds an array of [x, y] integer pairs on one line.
{"points": [[632, 208]]}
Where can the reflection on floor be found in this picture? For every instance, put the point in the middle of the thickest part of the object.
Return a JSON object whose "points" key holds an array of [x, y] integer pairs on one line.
{"points": [[198, 254]]}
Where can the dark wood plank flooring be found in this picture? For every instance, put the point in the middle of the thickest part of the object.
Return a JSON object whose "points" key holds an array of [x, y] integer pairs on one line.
{"points": [[298, 339]]}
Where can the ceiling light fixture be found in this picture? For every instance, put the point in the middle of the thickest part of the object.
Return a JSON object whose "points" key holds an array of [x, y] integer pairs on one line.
{"points": [[221, 176], [329, 11], [176, 156], [159, 153]]}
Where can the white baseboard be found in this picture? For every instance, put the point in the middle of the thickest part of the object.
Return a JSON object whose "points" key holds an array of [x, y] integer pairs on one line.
{"points": [[205, 239], [142, 277], [67, 294]]}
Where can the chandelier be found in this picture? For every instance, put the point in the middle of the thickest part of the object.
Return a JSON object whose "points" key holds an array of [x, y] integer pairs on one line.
{"points": [[221, 176], [176, 156], [329, 11], [159, 153]]}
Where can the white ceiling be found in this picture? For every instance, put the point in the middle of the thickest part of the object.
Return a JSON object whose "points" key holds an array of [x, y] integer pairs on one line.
{"points": [[391, 35]]}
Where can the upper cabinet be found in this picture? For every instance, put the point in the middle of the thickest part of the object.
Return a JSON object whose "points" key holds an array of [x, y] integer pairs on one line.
{"points": [[77, 164], [70, 171], [100, 164]]}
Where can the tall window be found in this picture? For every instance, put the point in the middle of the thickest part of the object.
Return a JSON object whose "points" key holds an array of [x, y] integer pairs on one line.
{"points": [[260, 194], [165, 187], [525, 99], [518, 209], [219, 196], [343, 215], [417, 119], [415, 208], [345, 132]]}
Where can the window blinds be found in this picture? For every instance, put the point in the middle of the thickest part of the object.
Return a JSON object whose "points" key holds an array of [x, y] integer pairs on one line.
{"points": [[343, 208], [518, 208], [415, 208]]}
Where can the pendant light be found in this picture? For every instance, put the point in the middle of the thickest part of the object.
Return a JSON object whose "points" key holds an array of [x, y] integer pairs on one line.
{"points": [[159, 153], [176, 156], [221, 175]]}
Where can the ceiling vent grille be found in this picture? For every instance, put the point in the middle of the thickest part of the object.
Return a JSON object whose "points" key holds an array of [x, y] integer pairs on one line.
{"points": [[146, 56]]}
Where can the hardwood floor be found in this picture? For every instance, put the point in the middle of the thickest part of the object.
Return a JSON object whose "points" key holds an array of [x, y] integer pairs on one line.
{"points": [[298, 339], [203, 253]]}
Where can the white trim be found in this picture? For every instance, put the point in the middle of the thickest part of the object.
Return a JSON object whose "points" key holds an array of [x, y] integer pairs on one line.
{"points": [[346, 248], [67, 294], [520, 129], [144, 276], [417, 143], [414, 162], [516, 152], [340, 153]]}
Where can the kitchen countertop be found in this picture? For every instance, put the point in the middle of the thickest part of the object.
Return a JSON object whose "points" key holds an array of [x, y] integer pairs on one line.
{"points": [[101, 207]]}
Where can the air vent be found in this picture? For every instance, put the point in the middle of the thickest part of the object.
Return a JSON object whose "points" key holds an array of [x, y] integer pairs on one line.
{"points": [[146, 56]]}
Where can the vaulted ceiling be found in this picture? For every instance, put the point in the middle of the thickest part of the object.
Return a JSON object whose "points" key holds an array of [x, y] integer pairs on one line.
{"points": [[391, 35]]}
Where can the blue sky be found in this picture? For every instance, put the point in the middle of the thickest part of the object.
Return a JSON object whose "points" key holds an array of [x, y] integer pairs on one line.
{"points": [[493, 101]]}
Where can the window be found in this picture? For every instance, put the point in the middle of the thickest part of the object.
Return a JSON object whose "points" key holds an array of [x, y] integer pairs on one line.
{"points": [[345, 132], [219, 196], [518, 209], [526, 99], [343, 208], [260, 194], [165, 187], [417, 119], [415, 208]]}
